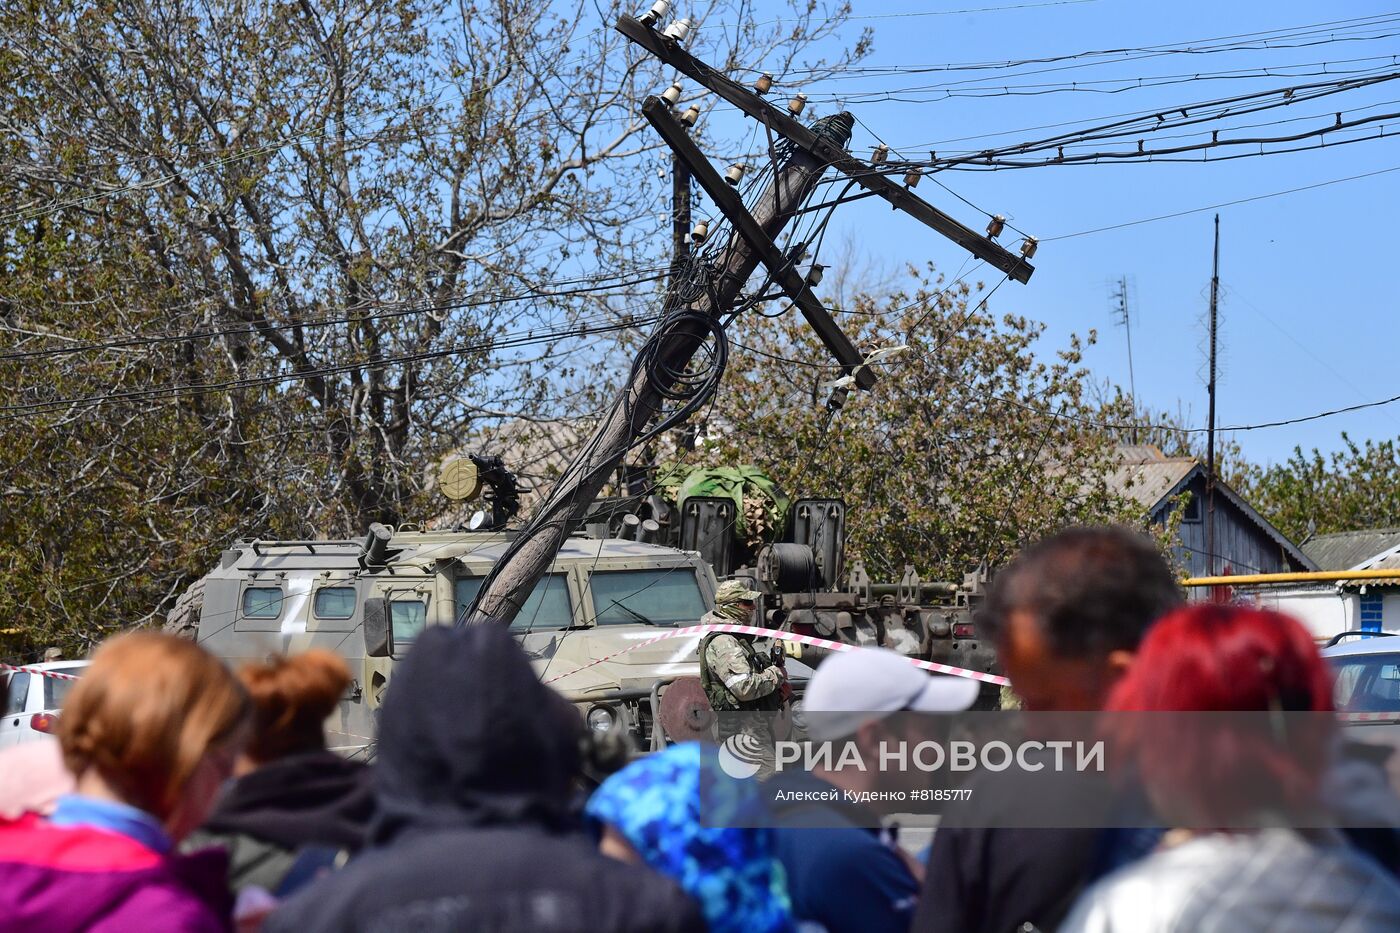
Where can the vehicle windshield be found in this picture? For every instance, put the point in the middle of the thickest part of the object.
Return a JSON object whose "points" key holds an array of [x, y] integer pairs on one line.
{"points": [[664, 596], [56, 689], [1367, 683]]}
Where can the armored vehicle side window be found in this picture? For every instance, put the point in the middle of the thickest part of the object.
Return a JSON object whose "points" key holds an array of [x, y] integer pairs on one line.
{"points": [[547, 608], [661, 596], [262, 602], [334, 602], [408, 617]]}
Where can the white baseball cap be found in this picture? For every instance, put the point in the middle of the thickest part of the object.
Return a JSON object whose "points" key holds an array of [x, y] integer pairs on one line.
{"points": [[868, 684]]}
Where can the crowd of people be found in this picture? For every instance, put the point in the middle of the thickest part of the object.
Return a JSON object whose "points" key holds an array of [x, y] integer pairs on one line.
{"points": [[183, 796]]}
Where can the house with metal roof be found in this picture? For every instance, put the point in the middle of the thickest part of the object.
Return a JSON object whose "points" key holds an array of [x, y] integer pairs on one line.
{"points": [[1371, 605], [1244, 541], [1369, 549]]}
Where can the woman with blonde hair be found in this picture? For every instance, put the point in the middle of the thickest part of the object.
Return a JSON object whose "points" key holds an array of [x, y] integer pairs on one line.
{"points": [[150, 733], [296, 807]]}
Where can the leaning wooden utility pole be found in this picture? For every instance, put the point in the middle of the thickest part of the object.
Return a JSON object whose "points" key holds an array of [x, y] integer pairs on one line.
{"points": [[699, 297], [511, 582], [680, 216], [680, 249]]}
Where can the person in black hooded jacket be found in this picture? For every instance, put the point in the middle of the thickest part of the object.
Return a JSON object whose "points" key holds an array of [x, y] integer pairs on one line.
{"points": [[474, 829], [295, 803]]}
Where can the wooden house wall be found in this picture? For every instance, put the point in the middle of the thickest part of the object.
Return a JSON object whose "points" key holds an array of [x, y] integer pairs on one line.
{"points": [[1242, 546]]}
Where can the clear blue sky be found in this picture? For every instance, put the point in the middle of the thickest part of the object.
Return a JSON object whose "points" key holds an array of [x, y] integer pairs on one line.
{"points": [[1309, 316]]}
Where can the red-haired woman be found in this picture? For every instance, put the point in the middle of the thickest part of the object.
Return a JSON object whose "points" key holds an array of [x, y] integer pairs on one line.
{"points": [[150, 734], [1233, 785], [296, 807]]}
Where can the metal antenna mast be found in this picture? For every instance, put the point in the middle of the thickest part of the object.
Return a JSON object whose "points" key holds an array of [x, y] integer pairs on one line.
{"points": [[1210, 417], [1125, 318]]}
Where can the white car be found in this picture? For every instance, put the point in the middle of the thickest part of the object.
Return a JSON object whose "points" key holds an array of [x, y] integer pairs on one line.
{"points": [[33, 699], [1368, 674], [1367, 691]]}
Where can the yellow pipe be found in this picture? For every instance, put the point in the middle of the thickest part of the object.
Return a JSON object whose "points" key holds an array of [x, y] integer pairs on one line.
{"points": [[1315, 576]]}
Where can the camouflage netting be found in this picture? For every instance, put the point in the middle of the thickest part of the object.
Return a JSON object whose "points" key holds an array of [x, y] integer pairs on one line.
{"points": [[761, 507]]}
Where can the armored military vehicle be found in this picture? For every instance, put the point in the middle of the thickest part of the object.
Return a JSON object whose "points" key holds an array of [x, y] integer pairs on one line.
{"points": [[369, 599], [583, 626], [642, 564]]}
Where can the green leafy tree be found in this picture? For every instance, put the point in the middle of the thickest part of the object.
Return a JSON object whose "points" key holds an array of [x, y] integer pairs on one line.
{"points": [[968, 447], [358, 202], [1315, 493], [1174, 433]]}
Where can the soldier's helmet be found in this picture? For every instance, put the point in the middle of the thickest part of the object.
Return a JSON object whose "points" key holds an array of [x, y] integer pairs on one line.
{"points": [[734, 591]]}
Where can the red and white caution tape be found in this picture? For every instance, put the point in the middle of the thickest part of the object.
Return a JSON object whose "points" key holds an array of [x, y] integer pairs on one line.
{"points": [[1369, 717], [701, 630], [34, 670]]}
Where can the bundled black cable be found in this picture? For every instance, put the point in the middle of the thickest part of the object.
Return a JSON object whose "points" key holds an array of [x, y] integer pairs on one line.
{"points": [[692, 387]]}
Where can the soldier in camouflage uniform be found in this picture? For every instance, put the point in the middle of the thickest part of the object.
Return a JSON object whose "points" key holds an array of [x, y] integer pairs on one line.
{"points": [[736, 676]]}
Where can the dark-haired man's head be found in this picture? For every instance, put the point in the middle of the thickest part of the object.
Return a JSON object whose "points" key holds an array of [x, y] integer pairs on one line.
{"points": [[1068, 614]]}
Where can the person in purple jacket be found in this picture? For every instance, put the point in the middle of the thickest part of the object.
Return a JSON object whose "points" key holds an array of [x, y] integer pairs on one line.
{"points": [[150, 733]]}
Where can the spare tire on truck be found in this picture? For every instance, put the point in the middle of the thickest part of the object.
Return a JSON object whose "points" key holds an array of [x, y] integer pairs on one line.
{"points": [[183, 618]]}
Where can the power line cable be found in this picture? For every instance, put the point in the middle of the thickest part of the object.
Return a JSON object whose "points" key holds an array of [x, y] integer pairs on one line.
{"points": [[1191, 114], [1211, 45], [1211, 207], [1130, 83], [423, 306], [1174, 153], [1090, 422], [528, 338]]}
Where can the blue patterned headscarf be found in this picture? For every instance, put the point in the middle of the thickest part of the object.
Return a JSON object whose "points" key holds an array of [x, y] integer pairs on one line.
{"points": [[654, 803]]}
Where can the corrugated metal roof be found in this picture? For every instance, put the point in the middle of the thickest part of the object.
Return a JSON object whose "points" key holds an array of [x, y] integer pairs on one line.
{"points": [[1345, 550], [1140, 453], [1387, 560]]}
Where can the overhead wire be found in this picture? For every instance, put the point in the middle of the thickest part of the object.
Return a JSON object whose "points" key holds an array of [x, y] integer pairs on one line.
{"points": [[1211, 207], [358, 124], [1124, 426], [1193, 113], [1098, 85], [1265, 40], [1323, 135], [527, 338], [376, 311]]}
